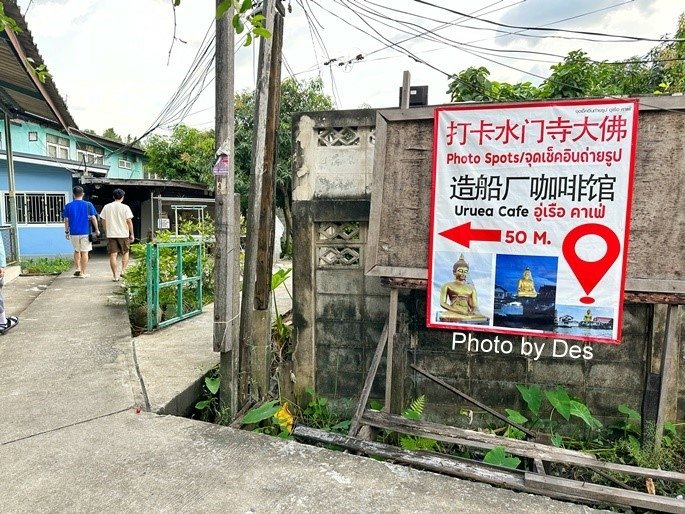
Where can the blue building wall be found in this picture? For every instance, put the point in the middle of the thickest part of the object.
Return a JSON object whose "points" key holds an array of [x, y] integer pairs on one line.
{"points": [[44, 239], [47, 239], [21, 143]]}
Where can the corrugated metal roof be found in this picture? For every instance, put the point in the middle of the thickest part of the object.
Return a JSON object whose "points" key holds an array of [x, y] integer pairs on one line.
{"points": [[22, 95]]}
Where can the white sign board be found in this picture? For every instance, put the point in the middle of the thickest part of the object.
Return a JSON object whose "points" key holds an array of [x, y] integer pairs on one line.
{"points": [[529, 218]]}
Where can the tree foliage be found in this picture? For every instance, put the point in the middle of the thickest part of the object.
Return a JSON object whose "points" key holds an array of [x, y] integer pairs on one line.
{"points": [[186, 154], [661, 71], [111, 134], [295, 97]]}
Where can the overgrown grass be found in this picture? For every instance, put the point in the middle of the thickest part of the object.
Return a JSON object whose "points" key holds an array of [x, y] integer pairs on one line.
{"points": [[45, 265]]}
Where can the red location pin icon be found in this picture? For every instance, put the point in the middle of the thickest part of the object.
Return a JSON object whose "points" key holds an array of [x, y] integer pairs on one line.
{"points": [[590, 273]]}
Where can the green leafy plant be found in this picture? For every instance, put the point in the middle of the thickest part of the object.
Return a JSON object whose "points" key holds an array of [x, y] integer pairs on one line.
{"points": [[242, 16], [271, 418], [7, 22], [45, 265], [281, 327], [411, 442], [319, 414], [559, 403], [135, 277], [498, 457], [208, 407]]}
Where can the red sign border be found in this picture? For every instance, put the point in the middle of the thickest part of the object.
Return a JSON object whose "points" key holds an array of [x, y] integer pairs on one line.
{"points": [[629, 206]]}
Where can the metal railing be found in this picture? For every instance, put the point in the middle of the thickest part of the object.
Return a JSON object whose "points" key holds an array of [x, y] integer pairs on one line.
{"points": [[174, 282], [8, 239]]}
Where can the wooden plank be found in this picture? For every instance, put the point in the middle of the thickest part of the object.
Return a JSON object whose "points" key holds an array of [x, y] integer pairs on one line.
{"points": [[654, 298], [456, 467], [527, 449], [366, 390], [646, 285], [473, 400], [606, 494], [377, 194], [472, 438], [669, 372], [443, 464], [392, 278], [392, 330]]}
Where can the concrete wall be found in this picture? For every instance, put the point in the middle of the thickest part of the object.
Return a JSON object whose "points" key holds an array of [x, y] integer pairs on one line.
{"points": [[339, 312]]}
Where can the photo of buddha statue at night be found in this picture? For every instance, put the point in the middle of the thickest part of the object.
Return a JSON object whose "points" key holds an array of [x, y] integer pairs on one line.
{"points": [[526, 288]]}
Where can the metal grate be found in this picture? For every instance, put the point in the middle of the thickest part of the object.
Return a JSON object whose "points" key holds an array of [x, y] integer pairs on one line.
{"points": [[36, 208], [7, 238]]}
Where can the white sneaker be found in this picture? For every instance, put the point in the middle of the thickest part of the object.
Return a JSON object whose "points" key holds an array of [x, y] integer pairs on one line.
{"points": [[84, 275]]}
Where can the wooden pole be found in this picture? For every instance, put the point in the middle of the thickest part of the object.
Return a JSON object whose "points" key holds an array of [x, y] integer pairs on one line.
{"points": [[406, 90], [668, 390], [255, 322], [392, 330], [225, 249]]}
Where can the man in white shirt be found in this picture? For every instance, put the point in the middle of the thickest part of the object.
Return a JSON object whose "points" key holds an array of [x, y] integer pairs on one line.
{"points": [[117, 222]]}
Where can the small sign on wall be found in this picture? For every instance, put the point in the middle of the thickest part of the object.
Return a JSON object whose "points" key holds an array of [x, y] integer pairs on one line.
{"points": [[163, 223], [530, 216]]}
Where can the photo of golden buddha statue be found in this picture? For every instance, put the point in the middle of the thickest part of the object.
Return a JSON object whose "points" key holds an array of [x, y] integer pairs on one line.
{"points": [[459, 298], [526, 285]]}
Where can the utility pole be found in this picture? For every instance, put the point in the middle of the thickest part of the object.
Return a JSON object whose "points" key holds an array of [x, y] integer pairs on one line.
{"points": [[11, 189], [255, 315], [225, 250]]}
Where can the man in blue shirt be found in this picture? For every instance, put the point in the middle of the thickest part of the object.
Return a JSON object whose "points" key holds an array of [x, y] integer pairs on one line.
{"points": [[78, 216]]}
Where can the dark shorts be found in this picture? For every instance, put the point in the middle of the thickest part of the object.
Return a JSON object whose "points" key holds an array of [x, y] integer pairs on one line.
{"points": [[118, 245]]}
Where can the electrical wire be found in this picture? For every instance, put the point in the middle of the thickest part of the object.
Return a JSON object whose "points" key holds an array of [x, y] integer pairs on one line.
{"points": [[549, 29]]}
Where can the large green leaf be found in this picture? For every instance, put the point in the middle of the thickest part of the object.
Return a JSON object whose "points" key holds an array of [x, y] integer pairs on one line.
{"points": [[516, 416], [633, 415], [261, 412], [202, 404], [238, 24], [213, 384], [580, 410], [498, 457], [532, 396], [222, 8], [279, 277], [561, 402]]}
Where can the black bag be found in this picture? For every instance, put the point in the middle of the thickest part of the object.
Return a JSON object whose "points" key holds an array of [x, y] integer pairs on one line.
{"points": [[93, 237]]}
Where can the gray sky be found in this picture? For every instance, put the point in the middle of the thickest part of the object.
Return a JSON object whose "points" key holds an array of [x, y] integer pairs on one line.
{"points": [[109, 58]]}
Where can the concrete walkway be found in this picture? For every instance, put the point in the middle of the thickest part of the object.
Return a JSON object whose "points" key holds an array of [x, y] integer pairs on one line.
{"points": [[73, 438]]}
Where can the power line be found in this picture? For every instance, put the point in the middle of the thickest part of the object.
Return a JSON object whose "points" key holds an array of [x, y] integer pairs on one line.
{"points": [[548, 29]]}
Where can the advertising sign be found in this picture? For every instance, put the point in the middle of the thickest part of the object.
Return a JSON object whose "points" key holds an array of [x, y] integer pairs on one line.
{"points": [[530, 217]]}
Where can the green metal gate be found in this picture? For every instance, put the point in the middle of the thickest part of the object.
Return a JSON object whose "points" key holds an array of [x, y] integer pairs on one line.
{"points": [[174, 282]]}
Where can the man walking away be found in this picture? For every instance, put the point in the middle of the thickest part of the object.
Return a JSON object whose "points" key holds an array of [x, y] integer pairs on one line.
{"points": [[78, 216], [6, 322], [117, 222]]}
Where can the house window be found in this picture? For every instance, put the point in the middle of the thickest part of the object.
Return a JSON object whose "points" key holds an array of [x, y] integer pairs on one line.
{"points": [[123, 163], [33, 136], [58, 147], [90, 153], [36, 208]]}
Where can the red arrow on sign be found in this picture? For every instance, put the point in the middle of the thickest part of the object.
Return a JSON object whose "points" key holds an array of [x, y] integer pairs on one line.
{"points": [[464, 234]]}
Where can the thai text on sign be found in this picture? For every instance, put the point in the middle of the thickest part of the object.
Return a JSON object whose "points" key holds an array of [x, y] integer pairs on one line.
{"points": [[529, 218]]}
